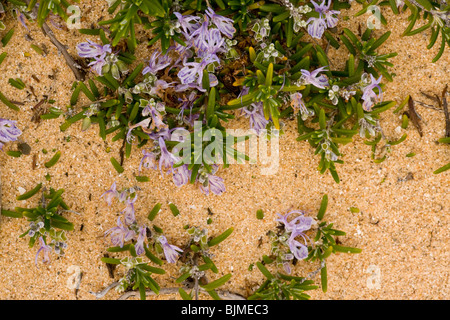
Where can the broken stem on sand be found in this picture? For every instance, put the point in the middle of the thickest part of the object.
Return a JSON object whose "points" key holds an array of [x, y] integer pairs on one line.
{"points": [[444, 106], [75, 67], [224, 295]]}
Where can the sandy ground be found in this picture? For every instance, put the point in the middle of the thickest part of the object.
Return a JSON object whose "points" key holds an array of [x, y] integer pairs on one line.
{"points": [[402, 226]]}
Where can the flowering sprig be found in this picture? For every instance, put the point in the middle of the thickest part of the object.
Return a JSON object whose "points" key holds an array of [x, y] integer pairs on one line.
{"points": [[47, 226], [313, 17], [290, 244], [141, 112], [293, 242], [104, 61], [127, 228], [140, 242]]}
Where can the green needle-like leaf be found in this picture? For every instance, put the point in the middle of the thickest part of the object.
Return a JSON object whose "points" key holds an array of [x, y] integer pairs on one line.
{"points": [[217, 283], [220, 238]]}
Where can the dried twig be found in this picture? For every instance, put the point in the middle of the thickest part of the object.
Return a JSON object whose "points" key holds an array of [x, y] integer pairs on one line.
{"points": [[38, 110], [429, 96], [414, 116], [429, 106], [75, 67], [444, 106]]}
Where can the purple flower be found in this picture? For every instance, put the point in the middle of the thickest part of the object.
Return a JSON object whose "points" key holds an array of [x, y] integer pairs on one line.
{"points": [[299, 250], [317, 26], [167, 159], [199, 35], [139, 246], [171, 252], [225, 25], [192, 73], [206, 43], [45, 249], [187, 103], [185, 22], [298, 224], [369, 96], [183, 52], [144, 124], [287, 267], [212, 44], [120, 234], [297, 102], [210, 182], [332, 21], [155, 113], [320, 81], [123, 195], [181, 175], [298, 105], [95, 51], [324, 10], [8, 131], [128, 212], [20, 17], [90, 49], [163, 133], [148, 160], [160, 87], [255, 112], [97, 65], [215, 185], [110, 194], [296, 227], [157, 62]]}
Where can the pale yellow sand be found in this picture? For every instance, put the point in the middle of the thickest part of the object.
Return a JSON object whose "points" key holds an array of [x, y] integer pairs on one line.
{"points": [[402, 227]]}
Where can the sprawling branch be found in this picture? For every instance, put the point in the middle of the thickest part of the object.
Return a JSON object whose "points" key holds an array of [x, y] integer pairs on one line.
{"points": [[75, 67], [224, 295]]}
